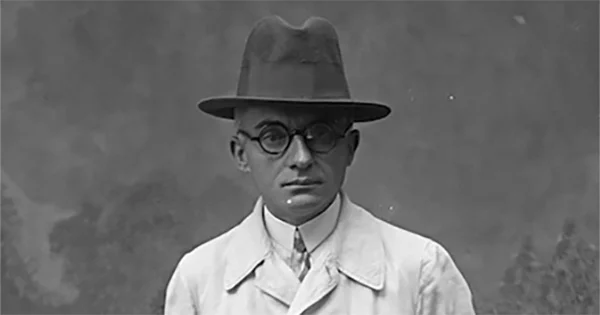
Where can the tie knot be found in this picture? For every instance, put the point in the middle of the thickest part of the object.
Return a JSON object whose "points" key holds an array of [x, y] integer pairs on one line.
{"points": [[299, 245]]}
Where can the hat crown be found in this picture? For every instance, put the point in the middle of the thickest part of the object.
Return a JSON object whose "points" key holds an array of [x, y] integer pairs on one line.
{"points": [[283, 61], [275, 40]]}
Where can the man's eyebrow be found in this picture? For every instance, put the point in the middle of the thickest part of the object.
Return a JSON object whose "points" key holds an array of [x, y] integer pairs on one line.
{"points": [[323, 119], [266, 122]]}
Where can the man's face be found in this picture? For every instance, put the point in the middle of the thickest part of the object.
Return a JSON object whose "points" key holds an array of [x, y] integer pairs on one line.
{"points": [[298, 183]]}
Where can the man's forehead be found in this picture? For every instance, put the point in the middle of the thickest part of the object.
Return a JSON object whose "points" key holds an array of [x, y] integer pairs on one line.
{"points": [[293, 116]]}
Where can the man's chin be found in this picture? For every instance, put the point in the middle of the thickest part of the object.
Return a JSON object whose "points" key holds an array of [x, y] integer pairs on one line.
{"points": [[303, 201]]}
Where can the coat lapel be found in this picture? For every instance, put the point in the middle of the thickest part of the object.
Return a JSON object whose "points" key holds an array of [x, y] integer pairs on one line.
{"points": [[318, 283], [272, 279], [360, 253], [249, 246]]}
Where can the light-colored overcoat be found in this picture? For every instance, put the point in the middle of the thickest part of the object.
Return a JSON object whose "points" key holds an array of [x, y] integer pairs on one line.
{"points": [[366, 266]]}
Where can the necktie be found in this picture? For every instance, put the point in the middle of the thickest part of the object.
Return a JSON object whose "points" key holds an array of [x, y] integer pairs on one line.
{"points": [[300, 263]]}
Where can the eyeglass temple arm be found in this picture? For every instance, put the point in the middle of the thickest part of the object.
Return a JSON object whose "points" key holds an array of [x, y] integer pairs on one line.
{"points": [[247, 135]]}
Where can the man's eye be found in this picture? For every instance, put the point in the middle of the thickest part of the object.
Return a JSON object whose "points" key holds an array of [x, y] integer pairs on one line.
{"points": [[273, 136], [319, 131]]}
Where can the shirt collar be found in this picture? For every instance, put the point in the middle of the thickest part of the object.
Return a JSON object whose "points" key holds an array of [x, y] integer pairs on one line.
{"points": [[313, 232]]}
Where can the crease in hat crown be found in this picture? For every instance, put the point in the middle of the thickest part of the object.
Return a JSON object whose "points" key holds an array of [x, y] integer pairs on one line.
{"points": [[274, 40], [294, 63], [285, 66]]}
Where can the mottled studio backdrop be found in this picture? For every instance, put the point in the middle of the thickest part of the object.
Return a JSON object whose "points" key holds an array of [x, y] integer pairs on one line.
{"points": [[109, 172]]}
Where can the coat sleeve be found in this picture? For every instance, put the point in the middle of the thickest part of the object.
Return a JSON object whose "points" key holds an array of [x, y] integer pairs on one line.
{"points": [[179, 299], [442, 288]]}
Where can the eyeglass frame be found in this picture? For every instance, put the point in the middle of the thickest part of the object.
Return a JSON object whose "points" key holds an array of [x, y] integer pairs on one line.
{"points": [[291, 133]]}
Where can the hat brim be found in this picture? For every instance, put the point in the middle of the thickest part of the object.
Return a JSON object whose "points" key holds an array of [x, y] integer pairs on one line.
{"points": [[363, 111]]}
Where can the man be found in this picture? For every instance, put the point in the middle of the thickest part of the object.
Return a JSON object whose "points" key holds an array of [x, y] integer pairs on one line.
{"points": [[306, 248]]}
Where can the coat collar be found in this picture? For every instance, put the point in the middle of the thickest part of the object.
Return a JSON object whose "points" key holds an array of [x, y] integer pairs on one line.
{"points": [[357, 248]]}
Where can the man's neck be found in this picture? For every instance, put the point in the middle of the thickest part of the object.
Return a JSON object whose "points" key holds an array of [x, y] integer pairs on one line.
{"points": [[299, 220], [302, 220]]}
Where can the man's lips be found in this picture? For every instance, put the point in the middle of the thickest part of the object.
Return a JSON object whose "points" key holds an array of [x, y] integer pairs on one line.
{"points": [[302, 182]]}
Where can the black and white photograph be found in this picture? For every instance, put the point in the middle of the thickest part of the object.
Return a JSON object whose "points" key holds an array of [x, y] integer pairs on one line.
{"points": [[300, 157]]}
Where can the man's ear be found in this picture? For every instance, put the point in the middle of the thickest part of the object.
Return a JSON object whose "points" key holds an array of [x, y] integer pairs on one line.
{"points": [[353, 142], [238, 153]]}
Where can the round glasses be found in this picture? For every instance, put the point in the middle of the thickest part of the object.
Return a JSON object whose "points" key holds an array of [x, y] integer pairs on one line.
{"points": [[276, 137]]}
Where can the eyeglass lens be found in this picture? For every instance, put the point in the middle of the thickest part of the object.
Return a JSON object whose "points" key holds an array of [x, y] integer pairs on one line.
{"points": [[319, 138]]}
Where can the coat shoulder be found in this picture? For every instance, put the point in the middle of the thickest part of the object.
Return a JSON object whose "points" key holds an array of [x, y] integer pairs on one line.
{"points": [[204, 264], [400, 236], [405, 247], [204, 256]]}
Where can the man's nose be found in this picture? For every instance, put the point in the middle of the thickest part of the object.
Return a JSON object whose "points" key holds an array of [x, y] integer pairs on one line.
{"points": [[300, 155]]}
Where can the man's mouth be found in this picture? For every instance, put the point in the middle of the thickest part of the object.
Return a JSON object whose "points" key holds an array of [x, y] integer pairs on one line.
{"points": [[302, 183]]}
